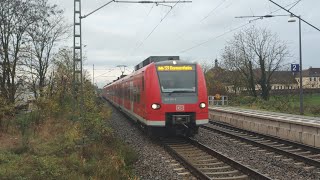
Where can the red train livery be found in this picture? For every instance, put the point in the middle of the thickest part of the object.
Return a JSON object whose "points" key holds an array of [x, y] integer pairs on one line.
{"points": [[163, 95]]}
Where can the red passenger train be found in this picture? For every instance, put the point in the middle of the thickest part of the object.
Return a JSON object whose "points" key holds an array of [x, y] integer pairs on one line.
{"points": [[163, 95]]}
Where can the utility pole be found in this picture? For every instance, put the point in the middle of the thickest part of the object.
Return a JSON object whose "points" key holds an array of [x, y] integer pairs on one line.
{"points": [[300, 62], [77, 59]]}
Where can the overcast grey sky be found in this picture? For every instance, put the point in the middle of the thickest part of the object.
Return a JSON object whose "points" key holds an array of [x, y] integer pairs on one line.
{"points": [[117, 33]]}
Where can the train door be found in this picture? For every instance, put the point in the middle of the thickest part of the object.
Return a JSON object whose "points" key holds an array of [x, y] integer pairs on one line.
{"points": [[131, 96]]}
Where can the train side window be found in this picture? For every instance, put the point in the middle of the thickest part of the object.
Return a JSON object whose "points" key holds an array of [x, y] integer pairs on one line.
{"points": [[138, 98], [128, 93], [142, 83], [138, 92]]}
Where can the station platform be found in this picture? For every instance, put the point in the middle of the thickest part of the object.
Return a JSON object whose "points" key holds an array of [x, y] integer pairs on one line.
{"points": [[301, 129]]}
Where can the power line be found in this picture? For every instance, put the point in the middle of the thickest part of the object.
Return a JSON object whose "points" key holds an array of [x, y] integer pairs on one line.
{"points": [[105, 73], [294, 5], [270, 15], [223, 1], [150, 10], [133, 48], [142, 42], [295, 15], [181, 36], [215, 37], [139, 2]]}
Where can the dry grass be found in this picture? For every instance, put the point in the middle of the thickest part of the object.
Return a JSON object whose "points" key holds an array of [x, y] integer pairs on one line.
{"points": [[64, 149], [9, 141]]}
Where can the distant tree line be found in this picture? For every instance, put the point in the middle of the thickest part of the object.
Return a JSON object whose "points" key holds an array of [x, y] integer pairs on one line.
{"points": [[249, 59]]}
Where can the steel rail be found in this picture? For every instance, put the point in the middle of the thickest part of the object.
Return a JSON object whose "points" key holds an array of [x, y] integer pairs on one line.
{"points": [[268, 147], [252, 174]]}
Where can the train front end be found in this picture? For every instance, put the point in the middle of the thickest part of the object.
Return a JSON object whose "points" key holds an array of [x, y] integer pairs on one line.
{"points": [[179, 96]]}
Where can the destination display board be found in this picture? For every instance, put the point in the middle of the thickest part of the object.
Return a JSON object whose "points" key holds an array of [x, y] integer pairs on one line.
{"points": [[176, 68]]}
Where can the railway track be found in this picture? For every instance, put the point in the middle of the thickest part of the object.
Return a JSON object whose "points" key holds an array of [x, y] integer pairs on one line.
{"points": [[205, 163], [309, 157]]}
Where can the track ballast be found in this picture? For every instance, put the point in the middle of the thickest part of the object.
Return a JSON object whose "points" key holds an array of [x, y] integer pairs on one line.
{"points": [[306, 154], [206, 163]]}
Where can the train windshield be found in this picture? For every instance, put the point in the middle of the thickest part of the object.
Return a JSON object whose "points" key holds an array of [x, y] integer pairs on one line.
{"points": [[177, 80]]}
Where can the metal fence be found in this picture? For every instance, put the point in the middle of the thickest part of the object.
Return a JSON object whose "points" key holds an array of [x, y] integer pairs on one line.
{"points": [[221, 101]]}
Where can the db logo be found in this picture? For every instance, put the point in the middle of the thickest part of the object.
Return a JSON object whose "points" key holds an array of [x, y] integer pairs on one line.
{"points": [[179, 107]]}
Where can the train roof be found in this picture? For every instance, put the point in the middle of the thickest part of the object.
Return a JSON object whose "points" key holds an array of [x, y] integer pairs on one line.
{"points": [[174, 62], [155, 59]]}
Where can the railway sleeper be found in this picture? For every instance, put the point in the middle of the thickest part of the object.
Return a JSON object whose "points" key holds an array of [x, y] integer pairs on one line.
{"points": [[197, 155], [255, 139], [215, 168], [270, 143], [302, 153], [211, 164], [208, 160], [278, 145], [201, 157], [187, 149], [264, 141], [313, 156], [223, 173], [191, 151], [286, 147], [183, 147], [172, 143], [183, 173], [194, 153], [294, 150], [241, 177]]}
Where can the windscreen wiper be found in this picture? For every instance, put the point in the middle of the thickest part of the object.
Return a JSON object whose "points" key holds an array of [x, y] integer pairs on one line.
{"points": [[181, 91]]}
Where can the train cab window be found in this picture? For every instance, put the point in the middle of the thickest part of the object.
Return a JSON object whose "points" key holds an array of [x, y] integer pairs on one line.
{"points": [[177, 81]]}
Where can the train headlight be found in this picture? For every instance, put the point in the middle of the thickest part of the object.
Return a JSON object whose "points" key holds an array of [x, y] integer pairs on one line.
{"points": [[202, 105], [155, 106]]}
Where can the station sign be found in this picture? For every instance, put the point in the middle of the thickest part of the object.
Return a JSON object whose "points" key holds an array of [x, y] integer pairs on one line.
{"points": [[175, 68], [295, 67]]}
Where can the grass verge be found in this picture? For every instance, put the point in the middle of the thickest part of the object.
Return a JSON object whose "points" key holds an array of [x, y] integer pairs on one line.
{"points": [[284, 103]]}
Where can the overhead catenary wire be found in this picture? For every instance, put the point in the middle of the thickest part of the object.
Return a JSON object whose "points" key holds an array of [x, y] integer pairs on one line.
{"points": [[260, 17], [142, 42], [294, 5], [295, 15], [291, 4], [139, 2], [106, 72], [133, 48], [179, 35], [220, 4], [215, 37]]}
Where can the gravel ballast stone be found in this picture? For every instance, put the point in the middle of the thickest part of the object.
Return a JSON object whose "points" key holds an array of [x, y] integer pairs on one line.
{"points": [[151, 163], [274, 167]]}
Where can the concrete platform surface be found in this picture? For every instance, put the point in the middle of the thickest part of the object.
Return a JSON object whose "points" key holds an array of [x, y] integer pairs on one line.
{"points": [[301, 129]]}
